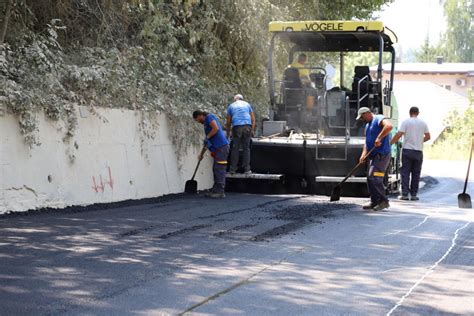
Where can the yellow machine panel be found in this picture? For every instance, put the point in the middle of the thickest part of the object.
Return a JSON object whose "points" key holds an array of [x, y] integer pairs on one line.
{"points": [[326, 26]]}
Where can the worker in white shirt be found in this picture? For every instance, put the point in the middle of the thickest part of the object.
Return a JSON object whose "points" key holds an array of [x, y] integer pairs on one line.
{"points": [[415, 132]]}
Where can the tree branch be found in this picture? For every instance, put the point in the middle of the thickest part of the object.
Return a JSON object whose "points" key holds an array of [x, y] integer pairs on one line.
{"points": [[8, 11]]}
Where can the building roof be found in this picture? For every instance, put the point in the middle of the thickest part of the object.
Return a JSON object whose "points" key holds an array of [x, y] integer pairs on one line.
{"points": [[433, 101], [445, 68]]}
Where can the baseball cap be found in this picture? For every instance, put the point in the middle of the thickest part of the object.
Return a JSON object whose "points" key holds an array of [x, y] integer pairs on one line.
{"points": [[238, 97], [361, 111]]}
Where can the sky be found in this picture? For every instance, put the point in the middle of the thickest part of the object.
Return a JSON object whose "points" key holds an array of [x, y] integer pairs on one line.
{"points": [[412, 20]]}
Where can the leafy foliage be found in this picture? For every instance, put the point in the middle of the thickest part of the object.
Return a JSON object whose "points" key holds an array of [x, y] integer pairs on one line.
{"points": [[457, 44], [455, 142], [460, 33], [157, 56]]}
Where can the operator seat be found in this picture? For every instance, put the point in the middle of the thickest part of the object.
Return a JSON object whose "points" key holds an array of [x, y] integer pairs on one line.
{"points": [[361, 72], [318, 80], [293, 93]]}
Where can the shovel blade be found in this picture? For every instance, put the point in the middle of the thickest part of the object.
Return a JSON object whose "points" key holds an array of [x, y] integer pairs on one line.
{"points": [[191, 187], [464, 200], [336, 193]]}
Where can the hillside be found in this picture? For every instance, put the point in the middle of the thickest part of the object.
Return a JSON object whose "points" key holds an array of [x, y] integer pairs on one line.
{"points": [[148, 56]]}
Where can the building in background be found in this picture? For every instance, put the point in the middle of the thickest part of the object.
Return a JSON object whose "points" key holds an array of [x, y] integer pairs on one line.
{"points": [[455, 77]]}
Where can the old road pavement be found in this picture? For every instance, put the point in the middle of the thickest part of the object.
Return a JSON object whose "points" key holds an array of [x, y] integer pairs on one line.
{"points": [[245, 255]]}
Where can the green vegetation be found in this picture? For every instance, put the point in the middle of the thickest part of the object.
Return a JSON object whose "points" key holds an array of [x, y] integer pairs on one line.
{"points": [[457, 44], [455, 142], [150, 56]]}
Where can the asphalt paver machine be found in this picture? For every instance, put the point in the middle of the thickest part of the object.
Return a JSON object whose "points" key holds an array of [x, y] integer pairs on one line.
{"points": [[311, 138]]}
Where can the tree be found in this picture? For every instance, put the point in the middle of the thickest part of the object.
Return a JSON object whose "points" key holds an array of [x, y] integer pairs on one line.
{"points": [[457, 43], [171, 56], [6, 18], [428, 53], [459, 37]]}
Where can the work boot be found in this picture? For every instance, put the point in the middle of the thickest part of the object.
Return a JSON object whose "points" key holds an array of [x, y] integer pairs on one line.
{"points": [[403, 197], [216, 195], [381, 206], [369, 206], [414, 198]]}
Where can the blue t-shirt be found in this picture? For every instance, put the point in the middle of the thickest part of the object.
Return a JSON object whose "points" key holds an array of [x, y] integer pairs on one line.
{"points": [[372, 130], [240, 113], [219, 139]]}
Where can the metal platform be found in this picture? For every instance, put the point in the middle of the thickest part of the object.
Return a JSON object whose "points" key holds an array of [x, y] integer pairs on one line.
{"points": [[339, 179], [255, 176], [392, 178]]}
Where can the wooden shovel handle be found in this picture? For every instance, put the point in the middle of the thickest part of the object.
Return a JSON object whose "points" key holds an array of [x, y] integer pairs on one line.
{"points": [[203, 150], [469, 164], [357, 166]]}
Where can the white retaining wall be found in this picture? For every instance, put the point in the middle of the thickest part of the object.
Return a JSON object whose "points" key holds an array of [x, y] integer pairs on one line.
{"points": [[109, 164]]}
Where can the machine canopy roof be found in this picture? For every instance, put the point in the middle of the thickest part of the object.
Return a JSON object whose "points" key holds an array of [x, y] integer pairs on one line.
{"points": [[334, 36]]}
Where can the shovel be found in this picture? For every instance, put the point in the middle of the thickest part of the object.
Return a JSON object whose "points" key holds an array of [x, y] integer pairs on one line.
{"points": [[192, 185], [336, 192], [464, 200]]}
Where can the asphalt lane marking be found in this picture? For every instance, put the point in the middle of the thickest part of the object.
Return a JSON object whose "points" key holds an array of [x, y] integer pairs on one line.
{"points": [[430, 270]]}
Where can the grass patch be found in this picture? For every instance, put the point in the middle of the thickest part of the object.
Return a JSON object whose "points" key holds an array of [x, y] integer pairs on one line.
{"points": [[445, 150]]}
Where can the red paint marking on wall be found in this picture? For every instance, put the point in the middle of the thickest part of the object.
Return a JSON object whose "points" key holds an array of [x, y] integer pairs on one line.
{"points": [[95, 185], [100, 187], [97, 188], [111, 180]]}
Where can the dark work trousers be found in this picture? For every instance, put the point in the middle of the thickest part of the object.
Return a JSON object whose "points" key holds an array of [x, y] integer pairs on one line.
{"points": [[411, 165], [241, 135], [219, 168], [377, 167]]}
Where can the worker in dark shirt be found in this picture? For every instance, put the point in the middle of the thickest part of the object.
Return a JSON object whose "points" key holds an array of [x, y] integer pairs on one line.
{"points": [[217, 143], [377, 134]]}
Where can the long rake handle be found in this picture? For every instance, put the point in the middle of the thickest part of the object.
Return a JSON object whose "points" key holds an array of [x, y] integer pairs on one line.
{"points": [[468, 166], [357, 166], [199, 161]]}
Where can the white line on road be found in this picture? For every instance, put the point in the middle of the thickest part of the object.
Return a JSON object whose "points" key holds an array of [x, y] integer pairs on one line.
{"points": [[411, 228], [430, 270]]}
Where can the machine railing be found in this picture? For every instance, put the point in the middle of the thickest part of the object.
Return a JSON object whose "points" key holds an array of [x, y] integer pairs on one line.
{"points": [[359, 98]]}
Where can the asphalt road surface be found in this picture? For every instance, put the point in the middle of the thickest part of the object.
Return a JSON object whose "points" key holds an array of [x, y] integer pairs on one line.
{"points": [[245, 255]]}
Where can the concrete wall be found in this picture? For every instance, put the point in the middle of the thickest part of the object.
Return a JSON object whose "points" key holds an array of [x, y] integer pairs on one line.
{"points": [[109, 164]]}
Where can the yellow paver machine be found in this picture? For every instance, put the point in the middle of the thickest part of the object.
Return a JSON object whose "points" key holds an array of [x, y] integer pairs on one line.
{"points": [[311, 138]]}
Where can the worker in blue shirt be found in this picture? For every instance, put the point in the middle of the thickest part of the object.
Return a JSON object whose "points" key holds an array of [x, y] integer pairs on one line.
{"points": [[240, 115], [218, 145], [377, 133]]}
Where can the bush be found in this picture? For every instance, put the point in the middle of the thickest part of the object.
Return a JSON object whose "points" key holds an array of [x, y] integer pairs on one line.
{"points": [[455, 142], [155, 56]]}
